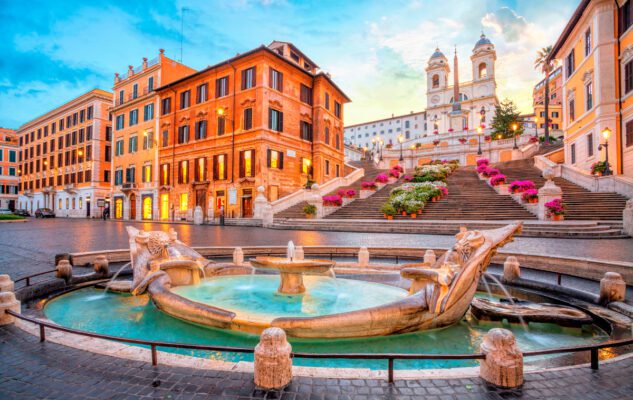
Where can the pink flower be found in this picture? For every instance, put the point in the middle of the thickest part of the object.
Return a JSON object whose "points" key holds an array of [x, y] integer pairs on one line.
{"points": [[368, 185], [394, 173], [334, 200], [529, 194], [350, 193], [382, 178], [482, 168], [444, 190], [408, 178], [555, 207], [498, 179], [482, 161]]}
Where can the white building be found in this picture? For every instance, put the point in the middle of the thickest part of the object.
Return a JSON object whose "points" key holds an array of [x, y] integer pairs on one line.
{"points": [[411, 126]]}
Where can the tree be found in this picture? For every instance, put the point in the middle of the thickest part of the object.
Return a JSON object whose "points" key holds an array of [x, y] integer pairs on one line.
{"points": [[506, 115], [545, 67]]}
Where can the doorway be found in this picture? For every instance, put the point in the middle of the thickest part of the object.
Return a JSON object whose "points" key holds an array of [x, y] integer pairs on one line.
{"points": [[247, 203], [132, 206], [87, 208], [164, 207], [148, 205], [201, 200]]}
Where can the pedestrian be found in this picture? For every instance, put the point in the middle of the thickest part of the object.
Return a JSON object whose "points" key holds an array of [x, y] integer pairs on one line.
{"points": [[106, 212], [222, 215]]}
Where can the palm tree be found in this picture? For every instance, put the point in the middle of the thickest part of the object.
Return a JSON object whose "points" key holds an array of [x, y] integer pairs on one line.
{"points": [[545, 67]]}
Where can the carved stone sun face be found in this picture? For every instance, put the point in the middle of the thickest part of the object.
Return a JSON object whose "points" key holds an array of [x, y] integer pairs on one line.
{"points": [[435, 99], [157, 242]]}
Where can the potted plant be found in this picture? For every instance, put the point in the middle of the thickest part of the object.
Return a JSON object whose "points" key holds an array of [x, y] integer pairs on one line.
{"points": [[482, 161], [436, 142], [388, 210], [407, 178], [309, 210], [443, 190], [530, 196], [413, 207], [462, 140], [382, 178], [555, 209], [498, 179], [368, 186], [533, 139], [332, 201], [598, 168]]}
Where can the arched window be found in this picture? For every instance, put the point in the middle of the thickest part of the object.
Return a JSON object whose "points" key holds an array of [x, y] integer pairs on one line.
{"points": [[436, 81], [483, 70]]}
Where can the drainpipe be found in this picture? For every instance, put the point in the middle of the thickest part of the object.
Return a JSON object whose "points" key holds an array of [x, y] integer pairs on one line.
{"points": [[619, 91]]}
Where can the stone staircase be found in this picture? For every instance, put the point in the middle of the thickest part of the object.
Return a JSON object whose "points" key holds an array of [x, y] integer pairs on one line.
{"points": [[468, 199], [581, 203], [548, 148], [371, 171]]}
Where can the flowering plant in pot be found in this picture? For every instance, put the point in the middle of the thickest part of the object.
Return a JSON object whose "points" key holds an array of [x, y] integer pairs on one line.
{"points": [[450, 129], [398, 168], [462, 140], [598, 168], [490, 172], [482, 168], [413, 207], [483, 161], [556, 209], [530, 196], [498, 179], [309, 210], [368, 186], [394, 173], [436, 132], [521, 186], [382, 178], [436, 142], [407, 178], [466, 128], [350, 193], [487, 138], [388, 210], [533, 139], [335, 201], [443, 190]]}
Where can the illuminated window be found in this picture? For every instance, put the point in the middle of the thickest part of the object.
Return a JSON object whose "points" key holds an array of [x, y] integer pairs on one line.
{"points": [[164, 174], [184, 201], [247, 166], [201, 169], [147, 173], [59, 204], [305, 165], [118, 208], [67, 203], [81, 203], [275, 159], [219, 167], [164, 206], [147, 207], [183, 171]]}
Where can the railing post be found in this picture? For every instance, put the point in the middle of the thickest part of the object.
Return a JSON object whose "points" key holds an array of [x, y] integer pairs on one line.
{"points": [[559, 278], [154, 355], [28, 281], [390, 370], [595, 359], [42, 333]]}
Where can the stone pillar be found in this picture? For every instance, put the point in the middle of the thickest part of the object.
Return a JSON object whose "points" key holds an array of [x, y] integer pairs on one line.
{"points": [[316, 199], [6, 284], [511, 270], [547, 193], [262, 208], [198, 216], [7, 300], [101, 265], [430, 257], [503, 365], [64, 270], [238, 256], [612, 288], [299, 253], [363, 257], [627, 218], [273, 365]]}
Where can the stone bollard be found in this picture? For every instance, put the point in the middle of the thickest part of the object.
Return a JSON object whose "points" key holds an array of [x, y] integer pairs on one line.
{"points": [[238, 256], [64, 270], [547, 193], [6, 284], [299, 253], [612, 288], [198, 216], [8, 302], [511, 269], [101, 265], [363, 257], [627, 218], [430, 257], [503, 365], [273, 365]]}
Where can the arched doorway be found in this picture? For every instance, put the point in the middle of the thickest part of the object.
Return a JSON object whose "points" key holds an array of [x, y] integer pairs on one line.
{"points": [[132, 206]]}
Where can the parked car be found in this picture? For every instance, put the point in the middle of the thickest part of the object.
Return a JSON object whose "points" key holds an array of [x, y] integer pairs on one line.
{"points": [[44, 213], [22, 213], [5, 211]]}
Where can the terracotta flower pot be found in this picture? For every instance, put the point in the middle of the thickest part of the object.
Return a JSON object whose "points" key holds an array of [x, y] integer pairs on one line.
{"points": [[414, 215], [533, 200], [309, 216], [385, 215], [558, 217], [389, 217], [404, 213]]}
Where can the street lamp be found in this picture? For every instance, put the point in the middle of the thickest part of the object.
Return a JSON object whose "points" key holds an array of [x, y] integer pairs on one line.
{"points": [[606, 134], [514, 133], [382, 142], [479, 133], [401, 139]]}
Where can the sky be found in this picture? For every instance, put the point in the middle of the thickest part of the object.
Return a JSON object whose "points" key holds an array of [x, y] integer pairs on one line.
{"points": [[376, 51]]}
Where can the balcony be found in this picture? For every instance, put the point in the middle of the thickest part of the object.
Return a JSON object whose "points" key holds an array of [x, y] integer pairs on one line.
{"points": [[70, 188], [129, 187], [28, 193], [48, 189]]}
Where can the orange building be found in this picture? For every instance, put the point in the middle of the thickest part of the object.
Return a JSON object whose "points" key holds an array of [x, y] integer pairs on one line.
{"points": [[135, 119], [65, 157], [9, 149], [555, 104], [266, 117]]}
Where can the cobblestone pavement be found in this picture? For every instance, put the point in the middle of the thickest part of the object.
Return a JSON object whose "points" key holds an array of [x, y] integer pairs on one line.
{"points": [[33, 370], [29, 247]]}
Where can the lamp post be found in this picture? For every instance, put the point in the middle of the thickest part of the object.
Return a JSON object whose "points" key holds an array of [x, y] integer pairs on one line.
{"points": [[606, 134], [479, 133], [514, 133], [382, 142], [401, 139]]}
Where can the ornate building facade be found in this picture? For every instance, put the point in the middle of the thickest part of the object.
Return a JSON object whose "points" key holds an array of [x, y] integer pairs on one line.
{"points": [[9, 148]]}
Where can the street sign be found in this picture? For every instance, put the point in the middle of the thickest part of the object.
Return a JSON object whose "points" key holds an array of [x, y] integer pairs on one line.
{"points": [[232, 196]]}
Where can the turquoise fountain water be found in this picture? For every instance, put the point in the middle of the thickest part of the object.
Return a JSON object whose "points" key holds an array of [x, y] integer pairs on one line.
{"points": [[136, 317]]}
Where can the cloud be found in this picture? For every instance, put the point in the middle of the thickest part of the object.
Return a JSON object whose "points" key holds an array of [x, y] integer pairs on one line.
{"points": [[507, 23]]}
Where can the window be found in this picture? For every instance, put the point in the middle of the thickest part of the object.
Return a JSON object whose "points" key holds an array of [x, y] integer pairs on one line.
{"points": [[164, 174], [185, 99], [201, 130], [587, 42], [483, 71], [275, 120], [183, 171], [337, 109], [148, 140], [306, 130], [135, 91], [435, 81], [81, 136], [573, 153], [248, 78], [165, 106], [119, 148], [184, 201], [221, 125], [150, 84], [570, 64], [248, 119], [130, 175], [165, 142], [121, 95], [200, 172], [108, 153], [118, 177], [247, 163], [12, 155], [338, 170], [327, 167], [108, 133], [327, 135], [624, 16], [572, 111], [221, 87], [202, 93], [306, 94], [133, 117], [589, 96], [554, 114], [338, 142], [82, 118], [589, 145], [276, 80], [629, 133], [327, 101], [628, 77], [61, 124], [219, 167], [275, 159], [183, 134], [148, 112], [133, 144], [120, 122]]}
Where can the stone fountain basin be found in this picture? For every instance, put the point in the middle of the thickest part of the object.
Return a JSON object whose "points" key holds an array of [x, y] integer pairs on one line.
{"points": [[283, 264]]}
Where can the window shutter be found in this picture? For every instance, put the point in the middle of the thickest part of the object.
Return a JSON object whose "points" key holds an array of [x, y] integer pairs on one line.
{"points": [[242, 172], [281, 121], [254, 76], [281, 82], [270, 118], [243, 86], [270, 77], [268, 157], [215, 168], [281, 160]]}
